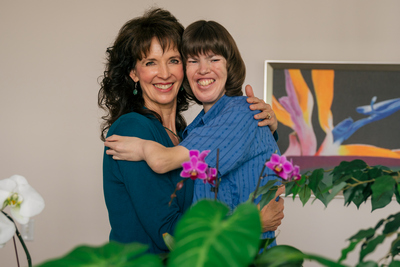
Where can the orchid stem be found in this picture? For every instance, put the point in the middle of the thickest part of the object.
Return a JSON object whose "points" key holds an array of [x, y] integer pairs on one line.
{"points": [[28, 256], [258, 183], [217, 179]]}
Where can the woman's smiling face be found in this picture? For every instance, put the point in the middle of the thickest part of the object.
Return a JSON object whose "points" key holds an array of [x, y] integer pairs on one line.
{"points": [[160, 75], [207, 74]]}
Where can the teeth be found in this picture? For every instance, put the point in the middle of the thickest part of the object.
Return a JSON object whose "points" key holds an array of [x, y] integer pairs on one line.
{"points": [[205, 82], [163, 86]]}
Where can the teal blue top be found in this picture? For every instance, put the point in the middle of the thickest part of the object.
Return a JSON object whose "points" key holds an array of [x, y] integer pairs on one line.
{"points": [[136, 197]]}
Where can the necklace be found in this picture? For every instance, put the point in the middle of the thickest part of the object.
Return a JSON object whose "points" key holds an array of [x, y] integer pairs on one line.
{"points": [[179, 139]]}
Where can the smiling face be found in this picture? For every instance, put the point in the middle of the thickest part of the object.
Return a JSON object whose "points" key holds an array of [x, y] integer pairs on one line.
{"points": [[160, 74], [207, 74]]}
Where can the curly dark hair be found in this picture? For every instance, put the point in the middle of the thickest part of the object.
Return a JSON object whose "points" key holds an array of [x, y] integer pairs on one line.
{"points": [[132, 44], [202, 37]]}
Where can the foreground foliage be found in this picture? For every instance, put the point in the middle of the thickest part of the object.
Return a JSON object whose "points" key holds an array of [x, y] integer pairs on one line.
{"points": [[208, 235]]}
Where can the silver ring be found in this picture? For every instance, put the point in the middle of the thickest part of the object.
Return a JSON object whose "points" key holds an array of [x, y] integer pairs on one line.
{"points": [[268, 116]]}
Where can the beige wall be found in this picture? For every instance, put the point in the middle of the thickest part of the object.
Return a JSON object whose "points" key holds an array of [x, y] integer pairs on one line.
{"points": [[52, 53]]}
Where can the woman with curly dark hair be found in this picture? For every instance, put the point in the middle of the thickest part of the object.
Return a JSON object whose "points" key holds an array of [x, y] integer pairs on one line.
{"points": [[143, 96]]}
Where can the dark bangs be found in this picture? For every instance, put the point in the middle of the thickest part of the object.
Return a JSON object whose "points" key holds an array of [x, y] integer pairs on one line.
{"points": [[202, 37]]}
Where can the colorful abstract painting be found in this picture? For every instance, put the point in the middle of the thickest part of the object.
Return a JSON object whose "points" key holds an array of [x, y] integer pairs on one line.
{"points": [[327, 115]]}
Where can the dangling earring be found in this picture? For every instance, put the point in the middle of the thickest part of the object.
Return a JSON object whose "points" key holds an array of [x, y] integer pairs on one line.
{"points": [[182, 88], [135, 90]]}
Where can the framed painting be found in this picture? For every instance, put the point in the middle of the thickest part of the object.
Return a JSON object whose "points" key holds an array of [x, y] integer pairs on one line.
{"points": [[329, 112]]}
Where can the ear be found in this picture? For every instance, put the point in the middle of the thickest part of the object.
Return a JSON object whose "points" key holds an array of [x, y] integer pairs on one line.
{"points": [[133, 76]]}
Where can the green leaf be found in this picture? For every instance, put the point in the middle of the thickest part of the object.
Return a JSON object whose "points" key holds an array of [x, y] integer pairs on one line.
{"points": [[288, 187], [371, 245], [305, 194], [392, 224], [267, 197], [367, 264], [335, 190], [205, 236], [349, 249], [169, 241], [395, 247], [110, 254], [397, 193], [323, 261], [368, 233], [265, 243], [382, 191], [264, 189], [346, 167], [394, 264], [323, 197], [280, 255], [314, 180]]}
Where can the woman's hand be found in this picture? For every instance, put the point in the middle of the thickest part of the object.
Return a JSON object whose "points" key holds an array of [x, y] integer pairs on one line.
{"points": [[267, 114], [124, 148], [272, 213]]}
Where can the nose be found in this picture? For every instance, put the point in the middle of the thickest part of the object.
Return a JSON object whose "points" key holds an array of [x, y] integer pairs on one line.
{"points": [[164, 71], [204, 67]]}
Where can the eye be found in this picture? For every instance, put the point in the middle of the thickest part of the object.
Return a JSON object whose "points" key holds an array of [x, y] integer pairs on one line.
{"points": [[149, 63], [191, 61], [175, 61]]}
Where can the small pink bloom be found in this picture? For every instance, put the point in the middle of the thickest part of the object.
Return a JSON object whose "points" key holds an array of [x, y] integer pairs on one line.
{"points": [[201, 156], [296, 173], [282, 167], [194, 169], [211, 176]]}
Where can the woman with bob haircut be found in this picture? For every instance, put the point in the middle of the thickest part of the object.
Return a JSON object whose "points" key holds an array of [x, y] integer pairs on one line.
{"points": [[215, 73]]}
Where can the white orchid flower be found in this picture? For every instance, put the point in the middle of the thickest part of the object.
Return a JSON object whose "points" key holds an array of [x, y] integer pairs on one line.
{"points": [[7, 229], [24, 201]]}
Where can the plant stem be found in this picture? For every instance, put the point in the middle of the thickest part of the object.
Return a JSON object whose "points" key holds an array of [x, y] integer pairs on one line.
{"points": [[258, 182], [28, 256], [16, 251], [216, 178]]}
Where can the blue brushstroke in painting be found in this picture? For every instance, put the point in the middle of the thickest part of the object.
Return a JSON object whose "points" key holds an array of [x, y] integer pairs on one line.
{"points": [[378, 111]]}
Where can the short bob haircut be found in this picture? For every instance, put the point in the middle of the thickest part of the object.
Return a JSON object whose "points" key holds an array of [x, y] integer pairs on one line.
{"points": [[204, 37], [132, 44]]}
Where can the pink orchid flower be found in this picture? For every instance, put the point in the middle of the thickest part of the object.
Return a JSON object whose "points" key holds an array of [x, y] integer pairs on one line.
{"points": [[281, 166], [201, 156], [195, 168], [211, 176], [296, 173]]}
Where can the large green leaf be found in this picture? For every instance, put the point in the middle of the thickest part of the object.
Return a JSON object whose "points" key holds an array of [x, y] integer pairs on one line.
{"points": [[205, 236], [110, 254], [382, 191]]}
